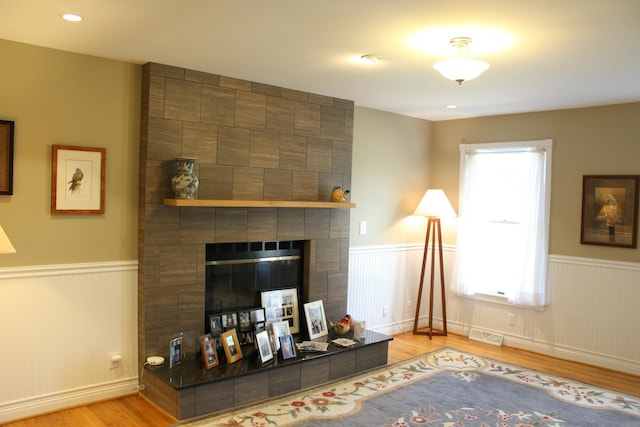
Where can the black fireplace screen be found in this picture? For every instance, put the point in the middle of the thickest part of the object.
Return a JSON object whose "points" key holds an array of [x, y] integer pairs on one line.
{"points": [[236, 273]]}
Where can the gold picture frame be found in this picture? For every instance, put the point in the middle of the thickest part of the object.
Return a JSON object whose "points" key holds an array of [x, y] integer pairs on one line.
{"points": [[77, 180], [231, 345], [610, 210], [6, 157]]}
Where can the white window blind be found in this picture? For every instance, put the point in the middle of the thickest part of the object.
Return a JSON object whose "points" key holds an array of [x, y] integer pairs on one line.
{"points": [[503, 226]]}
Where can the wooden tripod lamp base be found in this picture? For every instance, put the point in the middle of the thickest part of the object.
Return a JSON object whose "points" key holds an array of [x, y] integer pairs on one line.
{"points": [[433, 205]]}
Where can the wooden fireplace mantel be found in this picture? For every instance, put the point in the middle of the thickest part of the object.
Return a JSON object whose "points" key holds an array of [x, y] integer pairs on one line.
{"points": [[257, 204]]}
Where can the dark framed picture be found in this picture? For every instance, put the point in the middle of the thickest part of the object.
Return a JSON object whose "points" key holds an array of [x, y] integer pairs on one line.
{"points": [[610, 210], [287, 348], [77, 181], [175, 351], [316, 320], [6, 157], [231, 345], [215, 324], [264, 346], [281, 304], [244, 320], [208, 350], [229, 320]]}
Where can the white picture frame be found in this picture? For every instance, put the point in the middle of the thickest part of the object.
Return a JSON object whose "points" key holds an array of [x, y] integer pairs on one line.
{"points": [[316, 319], [280, 305], [279, 329], [264, 346]]}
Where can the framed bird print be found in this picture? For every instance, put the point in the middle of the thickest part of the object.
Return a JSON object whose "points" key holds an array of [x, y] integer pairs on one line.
{"points": [[77, 180]]}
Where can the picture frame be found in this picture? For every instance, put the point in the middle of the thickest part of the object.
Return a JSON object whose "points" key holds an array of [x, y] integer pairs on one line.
{"points": [[279, 329], [610, 210], [215, 324], [7, 130], [231, 345], [287, 348], [208, 351], [77, 180], [264, 347], [316, 320], [229, 320], [175, 351], [281, 304]]}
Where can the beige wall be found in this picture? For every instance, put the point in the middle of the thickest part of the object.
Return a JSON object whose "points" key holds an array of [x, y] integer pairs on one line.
{"points": [[390, 154], [587, 141], [56, 97]]}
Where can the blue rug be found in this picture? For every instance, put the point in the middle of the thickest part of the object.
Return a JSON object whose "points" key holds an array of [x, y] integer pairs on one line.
{"points": [[443, 388]]}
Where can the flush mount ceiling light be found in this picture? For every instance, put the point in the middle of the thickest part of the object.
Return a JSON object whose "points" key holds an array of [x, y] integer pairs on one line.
{"points": [[71, 17], [370, 59], [462, 67]]}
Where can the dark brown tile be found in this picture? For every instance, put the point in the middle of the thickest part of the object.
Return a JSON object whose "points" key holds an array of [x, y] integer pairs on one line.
{"points": [[234, 145], [341, 157], [305, 186], [178, 264], [280, 115], [262, 224], [233, 83], [250, 110], [164, 139], [293, 152], [200, 140], [216, 182], [218, 105], [265, 150], [248, 183], [182, 100], [278, 184], [231, 225], [316, 223], [319, 153], [307, 119], [290, 224]]}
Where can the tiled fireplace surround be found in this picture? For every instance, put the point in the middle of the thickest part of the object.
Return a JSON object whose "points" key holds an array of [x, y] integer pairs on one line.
{"points": [[253, 142]]}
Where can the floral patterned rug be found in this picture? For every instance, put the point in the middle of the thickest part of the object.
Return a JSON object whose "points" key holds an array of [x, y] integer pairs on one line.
{"points": [[443, 388]]}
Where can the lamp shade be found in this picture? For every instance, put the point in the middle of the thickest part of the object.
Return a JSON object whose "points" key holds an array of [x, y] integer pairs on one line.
{"points": [[5, 244], [435, 204]]}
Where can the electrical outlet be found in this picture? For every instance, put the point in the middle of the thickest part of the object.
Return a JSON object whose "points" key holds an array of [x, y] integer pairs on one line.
{"points": [[512, 319], [114, 360], [363, 228], [385, 311]]}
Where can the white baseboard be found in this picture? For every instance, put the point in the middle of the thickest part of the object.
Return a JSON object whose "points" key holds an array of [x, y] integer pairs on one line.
{"points": [[575, 355], [10, 411]]}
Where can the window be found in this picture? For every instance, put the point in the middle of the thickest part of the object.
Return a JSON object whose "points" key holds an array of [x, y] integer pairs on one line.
{"points": [[503, 229]]}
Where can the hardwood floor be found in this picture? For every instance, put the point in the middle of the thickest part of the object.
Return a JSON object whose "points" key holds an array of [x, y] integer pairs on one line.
{"points": [[136, 410]]}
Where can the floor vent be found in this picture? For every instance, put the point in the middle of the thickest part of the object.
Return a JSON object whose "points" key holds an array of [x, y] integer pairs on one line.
{"points": [[486, 337]]}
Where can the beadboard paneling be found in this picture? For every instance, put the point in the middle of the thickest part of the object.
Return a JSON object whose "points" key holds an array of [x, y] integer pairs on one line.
{"points": [[59, 324], [592, 316]]}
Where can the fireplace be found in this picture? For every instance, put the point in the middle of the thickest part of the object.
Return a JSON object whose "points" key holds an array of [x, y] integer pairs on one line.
{"points": [[237, 273]]}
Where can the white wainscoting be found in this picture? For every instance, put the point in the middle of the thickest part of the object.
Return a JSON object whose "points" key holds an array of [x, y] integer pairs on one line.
{"points": [[592, 317], [59, 324]]}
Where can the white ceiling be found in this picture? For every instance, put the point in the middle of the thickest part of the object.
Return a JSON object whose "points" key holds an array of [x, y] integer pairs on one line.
{"points": [[544, 54]]}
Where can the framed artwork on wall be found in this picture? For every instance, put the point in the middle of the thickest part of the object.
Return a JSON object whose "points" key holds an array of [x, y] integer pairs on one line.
{"points": [[6, 157], [77, 180], [610, 210]]}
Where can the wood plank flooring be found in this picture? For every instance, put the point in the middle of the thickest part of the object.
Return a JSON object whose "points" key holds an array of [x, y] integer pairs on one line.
{"points": [[135, 410]]}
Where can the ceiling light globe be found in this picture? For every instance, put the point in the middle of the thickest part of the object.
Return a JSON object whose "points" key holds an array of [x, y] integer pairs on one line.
{"points": [[461, 69]]}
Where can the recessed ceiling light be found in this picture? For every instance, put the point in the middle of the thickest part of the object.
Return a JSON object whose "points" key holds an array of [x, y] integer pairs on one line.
{"points": [[71, 17], [451, 106]]}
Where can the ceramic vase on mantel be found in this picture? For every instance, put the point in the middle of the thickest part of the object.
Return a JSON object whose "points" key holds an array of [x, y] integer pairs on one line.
{"points": [[185, 183]]}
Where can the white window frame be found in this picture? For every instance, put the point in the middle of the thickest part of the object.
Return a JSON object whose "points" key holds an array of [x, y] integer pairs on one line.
{"points": [[533, 289]]}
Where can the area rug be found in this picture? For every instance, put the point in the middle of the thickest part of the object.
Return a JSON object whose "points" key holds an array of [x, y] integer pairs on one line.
{"points": [[444, 388]]}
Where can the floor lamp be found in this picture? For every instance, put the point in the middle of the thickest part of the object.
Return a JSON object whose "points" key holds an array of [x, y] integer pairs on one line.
{"points": [[434, 205], [5, 244]]}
